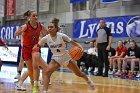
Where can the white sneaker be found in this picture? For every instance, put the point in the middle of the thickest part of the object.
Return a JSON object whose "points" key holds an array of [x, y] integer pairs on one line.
{"points": [[138, 75], [110, 72], [91, 84], [19, 87], [44, 91], [18, 76], [89, 69], [118, 73], [96, 70]]}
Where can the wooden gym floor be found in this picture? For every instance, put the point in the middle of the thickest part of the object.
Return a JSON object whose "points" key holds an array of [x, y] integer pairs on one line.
{"points": [[67, 82]]}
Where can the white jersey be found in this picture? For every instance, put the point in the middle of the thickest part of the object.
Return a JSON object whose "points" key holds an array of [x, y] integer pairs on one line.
{"points": [[57, 46]]}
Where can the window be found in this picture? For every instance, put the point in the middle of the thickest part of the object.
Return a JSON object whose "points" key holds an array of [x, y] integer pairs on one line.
{"points": [[79, 6]]}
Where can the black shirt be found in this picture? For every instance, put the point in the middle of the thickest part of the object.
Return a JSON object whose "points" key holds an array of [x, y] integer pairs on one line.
{"points": [[134, 52], [111, 52]]}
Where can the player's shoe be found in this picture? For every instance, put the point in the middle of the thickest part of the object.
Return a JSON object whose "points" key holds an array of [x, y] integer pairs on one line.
{"points": [[90, 83], [35, 89], [19, 87], [18, 76], [44, 91]]}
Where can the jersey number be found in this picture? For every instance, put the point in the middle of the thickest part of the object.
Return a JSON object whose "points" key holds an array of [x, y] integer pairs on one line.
{"points": [[34, 39]]}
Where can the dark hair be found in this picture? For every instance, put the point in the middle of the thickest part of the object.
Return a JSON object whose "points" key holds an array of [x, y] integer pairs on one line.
{"points": [[28, 13], [102, 20], [133, 41], [93, 41], [55, 21]]}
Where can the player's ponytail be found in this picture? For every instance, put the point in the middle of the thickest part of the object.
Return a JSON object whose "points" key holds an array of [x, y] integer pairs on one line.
{"points": [[28, 13], [55, 21]]}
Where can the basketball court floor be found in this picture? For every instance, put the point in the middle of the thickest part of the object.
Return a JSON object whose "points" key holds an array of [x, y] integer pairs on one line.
{"points": [[64, 81]]}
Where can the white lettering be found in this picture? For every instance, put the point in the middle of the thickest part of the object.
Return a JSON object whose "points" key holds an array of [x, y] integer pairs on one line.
{"points": [[7, 33], [2, 32], [119, 29], [82, 30], [111, 26], [92, 29], [18, 37], [12, 33]]}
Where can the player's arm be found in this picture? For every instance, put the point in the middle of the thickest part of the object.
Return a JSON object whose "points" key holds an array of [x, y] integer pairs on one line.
{"points": [[76, 44], [44, 31], [68, 39], [1, 42], [42, 42], [20, 30]]}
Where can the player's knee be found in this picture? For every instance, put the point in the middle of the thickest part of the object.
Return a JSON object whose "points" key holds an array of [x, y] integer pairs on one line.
{"points": [[30, 70], [48, 72]]}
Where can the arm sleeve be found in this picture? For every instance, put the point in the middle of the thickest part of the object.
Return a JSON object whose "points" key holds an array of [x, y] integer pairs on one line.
{"points": [[108, 30], [66, 38], [43, 40]]}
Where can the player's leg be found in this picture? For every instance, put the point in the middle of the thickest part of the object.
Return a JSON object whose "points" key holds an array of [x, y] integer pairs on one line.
{"points": [[53, 66], [133, 65], [72, 66], [21, 80], [114, 65], [20, 67], [119, 63], [44, 65]]}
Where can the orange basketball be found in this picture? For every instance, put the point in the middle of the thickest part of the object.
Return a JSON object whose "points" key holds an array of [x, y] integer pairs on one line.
{"points": [[75, 53]]}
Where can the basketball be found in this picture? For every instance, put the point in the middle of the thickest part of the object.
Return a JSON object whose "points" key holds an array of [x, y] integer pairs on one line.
{"points": [[75, 53]]}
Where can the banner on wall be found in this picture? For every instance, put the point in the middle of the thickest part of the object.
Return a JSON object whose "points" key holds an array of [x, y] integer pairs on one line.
{"points": [[121, 26], [7, 32], [10, 7], [77, 1], [109, 1]]}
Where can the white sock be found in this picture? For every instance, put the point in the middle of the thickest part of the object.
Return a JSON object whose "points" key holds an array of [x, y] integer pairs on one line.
{"points": [[35, 83], [113, 70], [119, 70], [20, 83]]}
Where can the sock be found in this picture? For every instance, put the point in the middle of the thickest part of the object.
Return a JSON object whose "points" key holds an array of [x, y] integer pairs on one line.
{"points": [[119, 70], [20, 83], [114, 70], [19, 72], [35, 83]]}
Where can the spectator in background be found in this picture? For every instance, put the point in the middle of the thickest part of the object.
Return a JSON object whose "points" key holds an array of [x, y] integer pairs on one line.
{"points": [[82, 59], [92, 59], [103, 42], [132, 57], [118, 58], [111, 53]]}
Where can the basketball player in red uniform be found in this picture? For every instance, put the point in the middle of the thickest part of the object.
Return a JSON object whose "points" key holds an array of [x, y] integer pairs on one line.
{"points": [[31, 32]]}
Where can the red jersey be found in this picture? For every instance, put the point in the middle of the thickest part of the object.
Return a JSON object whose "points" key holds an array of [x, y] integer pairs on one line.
{"points": [[1, 42], [120, 50], [31, 35]]}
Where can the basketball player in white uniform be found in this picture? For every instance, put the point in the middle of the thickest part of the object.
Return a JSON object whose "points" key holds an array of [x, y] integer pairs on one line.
{"points": [[57, 43]]}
